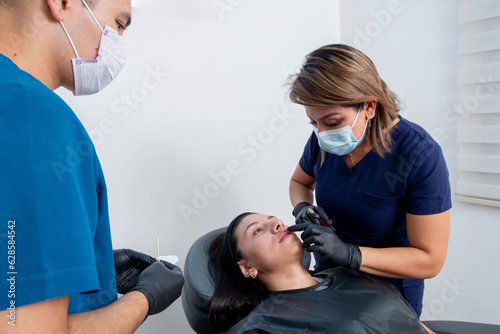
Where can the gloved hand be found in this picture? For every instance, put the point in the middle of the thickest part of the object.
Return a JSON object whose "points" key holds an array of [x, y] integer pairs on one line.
{"points": [[129, 264], [303, 214], [161, 285], [324, 240]]}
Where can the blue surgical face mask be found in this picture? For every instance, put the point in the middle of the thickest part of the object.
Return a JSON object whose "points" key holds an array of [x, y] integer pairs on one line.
{"points": [[340, 141]]}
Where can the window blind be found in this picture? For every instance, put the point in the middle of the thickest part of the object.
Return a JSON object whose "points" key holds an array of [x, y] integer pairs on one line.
{"points": [[478, 160]]}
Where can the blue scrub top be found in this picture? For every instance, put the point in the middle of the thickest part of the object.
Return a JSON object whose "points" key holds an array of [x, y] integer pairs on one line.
{"points": [[53, 192], [368, 203]]}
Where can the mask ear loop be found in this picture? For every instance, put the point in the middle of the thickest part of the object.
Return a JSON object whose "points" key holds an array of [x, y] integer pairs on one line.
{"points": [[70, 40], [359, 110], [98, 24]]}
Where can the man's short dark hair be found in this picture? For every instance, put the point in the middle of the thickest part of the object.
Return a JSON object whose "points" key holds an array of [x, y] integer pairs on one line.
{"points": [[9, 3], [16, 3]]}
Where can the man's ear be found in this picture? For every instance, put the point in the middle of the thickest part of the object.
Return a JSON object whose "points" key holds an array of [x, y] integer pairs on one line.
{"points": [[58, 8], [248, 270]]}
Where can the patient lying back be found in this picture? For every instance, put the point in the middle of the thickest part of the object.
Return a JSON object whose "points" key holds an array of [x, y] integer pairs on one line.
{"points": [[261, 286]]}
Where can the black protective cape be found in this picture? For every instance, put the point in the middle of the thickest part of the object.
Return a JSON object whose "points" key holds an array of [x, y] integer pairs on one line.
{"points": [[346, 301]]}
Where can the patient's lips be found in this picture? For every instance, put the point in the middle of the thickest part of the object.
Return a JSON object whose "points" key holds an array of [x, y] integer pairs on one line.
{"points": [[285, 234]]}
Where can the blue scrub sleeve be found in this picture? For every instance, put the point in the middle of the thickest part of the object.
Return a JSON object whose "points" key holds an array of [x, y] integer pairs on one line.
{"points": [[428, 186], [310, 155]]}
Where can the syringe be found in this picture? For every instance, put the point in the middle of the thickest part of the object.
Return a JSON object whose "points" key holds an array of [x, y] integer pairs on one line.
{"points": [[157, 249]]}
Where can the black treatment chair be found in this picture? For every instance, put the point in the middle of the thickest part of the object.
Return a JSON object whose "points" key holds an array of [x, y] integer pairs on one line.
{"points": [[198, 290]]}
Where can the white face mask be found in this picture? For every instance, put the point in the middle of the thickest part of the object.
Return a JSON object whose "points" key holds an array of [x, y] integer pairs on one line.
{"points": [[92, 75]]}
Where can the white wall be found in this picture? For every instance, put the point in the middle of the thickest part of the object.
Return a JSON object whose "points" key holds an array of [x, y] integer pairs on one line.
{"points": [[202, 90], [199, 87], [414, 45]]}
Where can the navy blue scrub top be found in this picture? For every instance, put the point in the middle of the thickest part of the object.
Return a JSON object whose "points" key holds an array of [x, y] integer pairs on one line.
{"points": [[368, 203]]}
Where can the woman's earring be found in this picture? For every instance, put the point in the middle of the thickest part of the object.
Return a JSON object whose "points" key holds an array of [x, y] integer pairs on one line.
{"points": [[253, 275]]}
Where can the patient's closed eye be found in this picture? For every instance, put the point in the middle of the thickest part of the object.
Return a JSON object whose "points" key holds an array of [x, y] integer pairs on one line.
{"points": [[258, 230]]}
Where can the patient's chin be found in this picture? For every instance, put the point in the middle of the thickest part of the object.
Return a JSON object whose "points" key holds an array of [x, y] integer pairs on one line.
{"points": [[294, 250], [298, 250]]}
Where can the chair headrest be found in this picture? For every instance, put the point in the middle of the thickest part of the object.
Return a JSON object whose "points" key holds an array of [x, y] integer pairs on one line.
{"points": [[198, 286]]}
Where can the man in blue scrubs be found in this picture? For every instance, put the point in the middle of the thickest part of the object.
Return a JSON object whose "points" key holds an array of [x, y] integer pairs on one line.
{"points": [[58, 266]]}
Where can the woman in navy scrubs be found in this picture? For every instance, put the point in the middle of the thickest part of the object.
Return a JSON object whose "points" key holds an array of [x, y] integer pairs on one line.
{"points": [[379, 180]]}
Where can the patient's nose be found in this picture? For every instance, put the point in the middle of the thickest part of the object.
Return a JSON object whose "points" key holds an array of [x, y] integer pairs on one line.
{"points": [[278, 226]]}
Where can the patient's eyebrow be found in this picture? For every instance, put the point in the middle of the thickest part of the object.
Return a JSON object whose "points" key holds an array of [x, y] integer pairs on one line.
{"points": [[256, 222], [248, 226]]}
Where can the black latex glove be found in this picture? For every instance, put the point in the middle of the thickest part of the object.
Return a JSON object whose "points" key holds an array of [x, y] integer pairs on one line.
{"points": [[324, 240], [161, 285], [305, 212], [129, 264]]}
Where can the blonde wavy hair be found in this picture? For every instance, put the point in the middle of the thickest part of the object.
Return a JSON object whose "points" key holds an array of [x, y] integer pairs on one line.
{"points": [[339, 74]]}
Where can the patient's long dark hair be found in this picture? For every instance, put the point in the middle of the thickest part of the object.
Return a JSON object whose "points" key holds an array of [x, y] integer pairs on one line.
{"points": [[234, 295]]}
